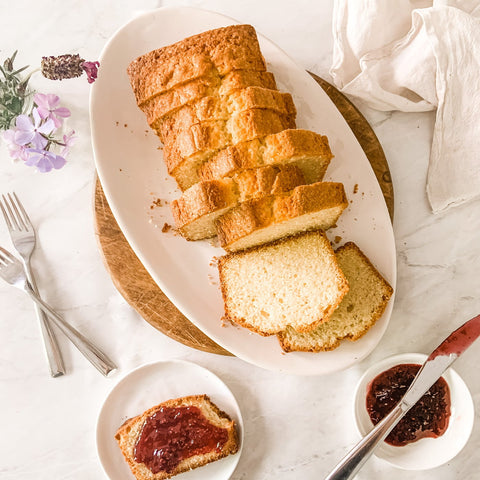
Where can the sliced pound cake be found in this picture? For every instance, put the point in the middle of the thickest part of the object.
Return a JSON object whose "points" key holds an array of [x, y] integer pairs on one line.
{"points": [[218, 51], [262, 220], [361, 307], [166, 103], [292, 282], [221, 108], [176, 436], [200, 205], [303, 148], [186, 151]]}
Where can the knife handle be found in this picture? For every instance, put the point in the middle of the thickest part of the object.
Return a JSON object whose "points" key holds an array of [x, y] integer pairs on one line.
{"points": [[358, 455]]}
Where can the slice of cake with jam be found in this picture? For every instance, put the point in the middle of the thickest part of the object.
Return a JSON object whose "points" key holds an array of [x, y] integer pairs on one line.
{"points": [[176, 436]]}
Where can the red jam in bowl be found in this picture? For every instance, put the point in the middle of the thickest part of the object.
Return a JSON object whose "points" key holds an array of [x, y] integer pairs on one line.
{"points": [[174, 433], [429, 417]]}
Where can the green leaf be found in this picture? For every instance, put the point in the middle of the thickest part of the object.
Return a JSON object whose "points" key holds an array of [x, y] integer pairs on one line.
{"points": [[17, 105], [13, 90], [16, 72]]}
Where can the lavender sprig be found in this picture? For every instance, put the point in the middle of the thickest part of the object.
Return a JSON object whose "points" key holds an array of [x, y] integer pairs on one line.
{"points": [[68, 66], [13, 92]]}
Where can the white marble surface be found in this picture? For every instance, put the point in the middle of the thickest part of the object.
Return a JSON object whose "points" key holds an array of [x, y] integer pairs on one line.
{"points": [[296, 428]]}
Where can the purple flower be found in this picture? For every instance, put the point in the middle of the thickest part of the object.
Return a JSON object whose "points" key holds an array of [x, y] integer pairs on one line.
{"points": [[34, 133], [44, 160], [68, 141], [49, 109], [17, 152], [91, 68]]}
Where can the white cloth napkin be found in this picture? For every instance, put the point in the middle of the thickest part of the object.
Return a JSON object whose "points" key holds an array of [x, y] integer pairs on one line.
{"points": [[415, 56]]}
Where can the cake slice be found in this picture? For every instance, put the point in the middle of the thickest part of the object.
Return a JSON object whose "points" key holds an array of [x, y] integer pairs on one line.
{"points": [[216, 51], [361, 307], [294, 282], [262, 220], [303, 148], [222, 108], [185, 152], [168, 102], [200, 205], [176, 436]]}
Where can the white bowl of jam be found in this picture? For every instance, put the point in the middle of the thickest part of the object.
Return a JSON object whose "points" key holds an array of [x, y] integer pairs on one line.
{"points": [[433, 432]]}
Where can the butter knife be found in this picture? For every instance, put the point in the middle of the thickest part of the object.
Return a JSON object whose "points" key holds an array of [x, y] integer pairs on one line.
{"points": [[438, 361]]}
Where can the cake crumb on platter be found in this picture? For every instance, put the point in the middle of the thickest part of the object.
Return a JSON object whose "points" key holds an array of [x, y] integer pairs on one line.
{"points": [[157, 202], [226, 322], [214, 261]]}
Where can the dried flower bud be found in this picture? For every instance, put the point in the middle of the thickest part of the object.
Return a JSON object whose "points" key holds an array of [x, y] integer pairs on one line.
{"points": [[91, 69], [8, 65], [22, 86], [62, 67]]}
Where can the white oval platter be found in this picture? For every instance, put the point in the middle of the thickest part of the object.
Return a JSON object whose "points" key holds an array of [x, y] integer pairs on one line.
{"points": [[132, 172]]}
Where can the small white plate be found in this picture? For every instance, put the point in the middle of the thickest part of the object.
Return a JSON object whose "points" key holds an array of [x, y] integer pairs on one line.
{"points": [[150, 385], [426, 453]]}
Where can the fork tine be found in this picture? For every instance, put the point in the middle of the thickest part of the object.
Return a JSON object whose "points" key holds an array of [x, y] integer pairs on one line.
{"points": [[11, 214], [26, 218], [7, 218], [18, 216], [6, 257]]}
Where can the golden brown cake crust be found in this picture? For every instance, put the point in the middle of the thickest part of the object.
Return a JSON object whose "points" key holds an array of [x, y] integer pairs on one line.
{"points": [[202, 199], [168, 102], [206, 198], [206, 138], [209, 135], [286, 146], [222, 108], [257, 214], [223, 50], [127, 435]]}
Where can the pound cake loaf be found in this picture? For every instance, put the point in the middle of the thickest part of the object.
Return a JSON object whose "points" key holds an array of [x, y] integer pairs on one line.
{"points": [[211, 85], [361, 307], [176, 436], [220, 51], [294, 282], [200, 205], [188, 149], [262, 220], [303, 148]]}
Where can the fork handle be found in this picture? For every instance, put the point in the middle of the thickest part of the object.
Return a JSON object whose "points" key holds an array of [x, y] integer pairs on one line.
{"points": [[50, 343], [97, 358]]}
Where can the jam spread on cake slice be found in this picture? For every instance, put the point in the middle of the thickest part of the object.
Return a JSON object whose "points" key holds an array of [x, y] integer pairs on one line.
{"points": [[429, 417], [173, 434]]}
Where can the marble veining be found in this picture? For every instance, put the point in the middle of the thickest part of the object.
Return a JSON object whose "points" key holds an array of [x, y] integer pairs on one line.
{"points": [[295, 427]]}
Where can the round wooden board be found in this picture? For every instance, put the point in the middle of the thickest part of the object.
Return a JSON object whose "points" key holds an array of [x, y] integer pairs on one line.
{"points": [[137, 286]]}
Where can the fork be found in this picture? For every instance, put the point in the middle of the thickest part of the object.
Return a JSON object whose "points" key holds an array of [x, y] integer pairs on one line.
{"points": [[11, 270], [23, 238]]}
